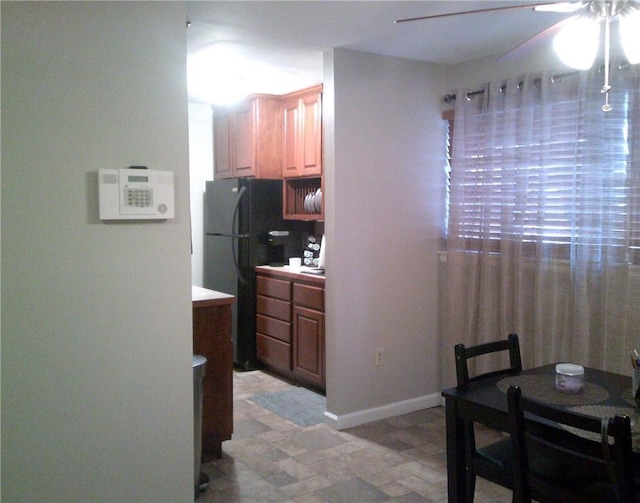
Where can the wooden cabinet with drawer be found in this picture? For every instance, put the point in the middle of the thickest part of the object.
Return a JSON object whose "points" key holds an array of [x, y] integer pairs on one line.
{"points": [[273, 322], [290, 324]]}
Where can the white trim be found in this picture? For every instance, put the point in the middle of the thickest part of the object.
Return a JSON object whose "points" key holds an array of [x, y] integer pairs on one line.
{"points": [[377, 413]]}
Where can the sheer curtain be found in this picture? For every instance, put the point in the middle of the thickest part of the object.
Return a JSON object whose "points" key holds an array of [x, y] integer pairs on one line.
{"points": [[544, 232]]}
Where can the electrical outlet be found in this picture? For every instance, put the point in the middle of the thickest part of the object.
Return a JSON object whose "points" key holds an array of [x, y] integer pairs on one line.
{"points": [[379, 357]]}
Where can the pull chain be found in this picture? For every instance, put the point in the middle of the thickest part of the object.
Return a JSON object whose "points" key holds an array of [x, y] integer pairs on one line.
{"points": [[607, 48]]}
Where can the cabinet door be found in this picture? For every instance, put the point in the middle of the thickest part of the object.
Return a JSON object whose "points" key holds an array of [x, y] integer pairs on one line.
{"points": [[243, 134], [290, 148], [311, 111], [302, 144], [212, 339], [222, 147], [308, 344]]}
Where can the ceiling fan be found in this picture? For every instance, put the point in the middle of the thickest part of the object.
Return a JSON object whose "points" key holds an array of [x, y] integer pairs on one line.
{"points": [[576, 38]]}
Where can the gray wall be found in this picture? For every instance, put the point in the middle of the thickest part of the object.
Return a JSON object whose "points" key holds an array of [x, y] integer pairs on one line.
{"points": [[200, 171], [384, 156], [96, 318]]}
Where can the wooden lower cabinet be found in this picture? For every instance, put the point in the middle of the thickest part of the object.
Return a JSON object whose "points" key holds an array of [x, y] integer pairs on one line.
{"points": [[212, 339], [290, 325], [308, 344]]}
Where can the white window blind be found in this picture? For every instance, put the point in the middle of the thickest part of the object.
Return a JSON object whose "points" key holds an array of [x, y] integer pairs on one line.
{"points": [[544, 165]]}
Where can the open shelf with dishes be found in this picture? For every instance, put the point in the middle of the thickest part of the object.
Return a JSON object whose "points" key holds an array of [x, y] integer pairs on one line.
{"points": [[303, 199]]}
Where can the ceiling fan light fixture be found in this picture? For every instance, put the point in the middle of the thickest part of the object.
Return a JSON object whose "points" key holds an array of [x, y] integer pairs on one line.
{"points": [[576, 44], [630, 36]]}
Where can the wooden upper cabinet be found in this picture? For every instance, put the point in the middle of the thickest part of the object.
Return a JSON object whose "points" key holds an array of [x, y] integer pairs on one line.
{"points": [[244, 148], [248, 139], [312, 133], [290, 148], [222, 147], [302, 133]]}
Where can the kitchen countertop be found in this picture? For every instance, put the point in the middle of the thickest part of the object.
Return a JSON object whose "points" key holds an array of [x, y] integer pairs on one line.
{"points": [[203, 297], [286, 272]]}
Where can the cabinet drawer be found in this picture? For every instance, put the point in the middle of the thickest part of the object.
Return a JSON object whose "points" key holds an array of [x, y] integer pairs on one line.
{"points": [[273, 307], [308, 296], [273, 327], [274, 352], [277, 288]]}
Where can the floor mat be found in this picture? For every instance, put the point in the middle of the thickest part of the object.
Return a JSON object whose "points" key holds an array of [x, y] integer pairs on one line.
{"points": [[299, 405]]}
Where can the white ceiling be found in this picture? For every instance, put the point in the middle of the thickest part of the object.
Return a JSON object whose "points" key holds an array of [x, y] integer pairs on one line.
{"points": [[290, 36]]}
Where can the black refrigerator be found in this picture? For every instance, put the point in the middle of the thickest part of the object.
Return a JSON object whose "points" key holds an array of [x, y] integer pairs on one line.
{"points": [[243, 228]]}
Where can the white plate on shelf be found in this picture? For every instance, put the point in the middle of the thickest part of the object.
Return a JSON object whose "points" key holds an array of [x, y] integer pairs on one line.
{"points": [[313, 202]]}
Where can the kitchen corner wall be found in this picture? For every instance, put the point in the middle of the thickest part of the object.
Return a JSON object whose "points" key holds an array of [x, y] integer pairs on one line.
{"points": [[384, 159], [97, 379], [200, 171]]}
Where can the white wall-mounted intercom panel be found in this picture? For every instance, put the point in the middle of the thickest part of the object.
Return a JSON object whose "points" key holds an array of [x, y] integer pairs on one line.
{"points": [[135, 194]]}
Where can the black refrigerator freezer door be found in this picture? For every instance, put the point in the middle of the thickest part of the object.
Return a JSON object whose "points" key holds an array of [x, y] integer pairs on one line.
{"points": [[224, 201]]}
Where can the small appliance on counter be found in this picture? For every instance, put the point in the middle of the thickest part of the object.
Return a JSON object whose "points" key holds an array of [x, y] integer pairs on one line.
{"points": [[321, 255], [311, 253], [283, 245], [313, 260]]}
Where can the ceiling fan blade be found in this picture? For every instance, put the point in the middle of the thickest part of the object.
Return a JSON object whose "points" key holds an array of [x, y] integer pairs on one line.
{"points": [[492, 9], [537, 40], [560, 7]]}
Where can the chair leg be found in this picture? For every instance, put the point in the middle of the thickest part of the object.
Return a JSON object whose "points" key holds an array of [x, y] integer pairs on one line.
{"points": [[470, 474], [471, 485]]}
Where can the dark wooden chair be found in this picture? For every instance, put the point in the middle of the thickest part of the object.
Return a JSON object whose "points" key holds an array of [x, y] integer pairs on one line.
{"points": [[492, 462], [574, 464]]}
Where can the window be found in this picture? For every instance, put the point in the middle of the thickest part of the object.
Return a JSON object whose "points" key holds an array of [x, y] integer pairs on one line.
{"points": [[448, 117], [547, 168]]}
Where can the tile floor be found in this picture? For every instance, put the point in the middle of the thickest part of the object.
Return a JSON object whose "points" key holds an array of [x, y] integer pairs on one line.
{"points": [[400, 459]]}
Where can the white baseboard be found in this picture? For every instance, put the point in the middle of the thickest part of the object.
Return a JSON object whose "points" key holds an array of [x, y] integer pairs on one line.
{"points": [[352, 419]]}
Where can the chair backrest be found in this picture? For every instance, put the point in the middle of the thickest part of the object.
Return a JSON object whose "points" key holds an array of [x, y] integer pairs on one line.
{"points": [[463, 354], [579, 444]]}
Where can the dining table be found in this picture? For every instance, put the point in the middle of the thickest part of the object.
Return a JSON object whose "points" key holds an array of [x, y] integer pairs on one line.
{"points": [[484, 401]]}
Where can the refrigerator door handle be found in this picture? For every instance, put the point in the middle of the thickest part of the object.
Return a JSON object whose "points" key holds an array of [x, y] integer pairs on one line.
{"points": [[236, 236], [234, 249]]}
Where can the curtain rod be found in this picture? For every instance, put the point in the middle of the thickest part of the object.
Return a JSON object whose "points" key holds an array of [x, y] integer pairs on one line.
{"points": [[450, 98]]}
